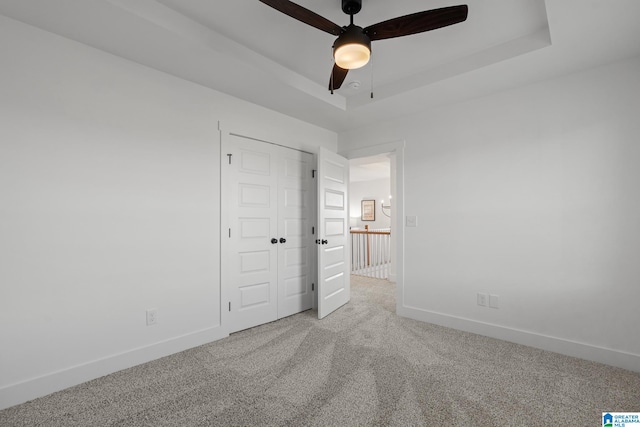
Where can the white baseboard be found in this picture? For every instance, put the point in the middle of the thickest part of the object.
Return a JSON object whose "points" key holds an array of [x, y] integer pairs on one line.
{"points": [[15, 394], [593, 353]]}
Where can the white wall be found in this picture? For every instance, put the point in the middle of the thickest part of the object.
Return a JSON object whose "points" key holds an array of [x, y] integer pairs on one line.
{"points": [[378, 190], [109, 177], [531, 195]]}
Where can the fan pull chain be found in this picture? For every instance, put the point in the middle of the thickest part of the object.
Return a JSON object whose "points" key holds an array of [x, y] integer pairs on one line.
{"points": [[371, 62], [331, 79]]}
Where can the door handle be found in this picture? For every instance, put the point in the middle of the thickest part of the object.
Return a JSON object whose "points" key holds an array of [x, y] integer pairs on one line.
{"points": [[324, 242], [274, 241], [283, 240]]}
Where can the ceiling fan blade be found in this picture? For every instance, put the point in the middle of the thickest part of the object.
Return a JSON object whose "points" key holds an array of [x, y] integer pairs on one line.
{"points": [[417, 22], [304, 15], [337, 77]]}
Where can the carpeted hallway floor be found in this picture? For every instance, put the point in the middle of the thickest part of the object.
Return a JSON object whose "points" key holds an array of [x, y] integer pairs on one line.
{"points": [[360, 366]]}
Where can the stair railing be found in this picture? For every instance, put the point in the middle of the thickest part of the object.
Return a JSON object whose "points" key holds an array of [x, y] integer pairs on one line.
{"points": [[371, 252]]}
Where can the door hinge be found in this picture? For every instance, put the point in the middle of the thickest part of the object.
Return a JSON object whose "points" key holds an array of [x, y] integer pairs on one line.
{"points": [[313, 230], [313, 286], [229, 233], [313, 173], [229, 305], [229, 155]]}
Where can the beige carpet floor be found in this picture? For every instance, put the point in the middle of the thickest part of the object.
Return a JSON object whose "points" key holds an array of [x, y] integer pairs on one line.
{"points": [[361, 366]]}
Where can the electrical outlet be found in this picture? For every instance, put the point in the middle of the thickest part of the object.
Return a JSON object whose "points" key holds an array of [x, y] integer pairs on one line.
{"points": [[152, 316], [494, 301], [482, 299]]}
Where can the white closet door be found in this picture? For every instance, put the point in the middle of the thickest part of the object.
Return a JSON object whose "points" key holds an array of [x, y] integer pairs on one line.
{"points": [[250, 259], [268, 254], [334, 287], [296, 212]]}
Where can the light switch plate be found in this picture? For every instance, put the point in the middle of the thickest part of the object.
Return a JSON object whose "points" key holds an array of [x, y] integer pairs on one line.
{"points": [[412, 221]]}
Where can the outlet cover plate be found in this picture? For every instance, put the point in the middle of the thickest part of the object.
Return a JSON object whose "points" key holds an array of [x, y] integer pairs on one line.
{"points": [[482, 299], [152, 316], [494, 301]]}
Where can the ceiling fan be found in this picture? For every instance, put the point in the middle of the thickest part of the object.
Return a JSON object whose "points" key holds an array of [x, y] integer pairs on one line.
{"points": [[352, 48]]}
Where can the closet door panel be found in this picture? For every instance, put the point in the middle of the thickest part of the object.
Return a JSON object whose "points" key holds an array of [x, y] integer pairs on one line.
{"points": [[269, 209], [295, 217], [250, 264]]}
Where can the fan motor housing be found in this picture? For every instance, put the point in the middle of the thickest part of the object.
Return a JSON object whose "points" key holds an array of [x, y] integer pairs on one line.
{"points": [[352, 34], [352, 48], [351, 7]]}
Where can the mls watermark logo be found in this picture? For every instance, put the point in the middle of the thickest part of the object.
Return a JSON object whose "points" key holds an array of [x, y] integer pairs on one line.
{"points": [[620, 419]]}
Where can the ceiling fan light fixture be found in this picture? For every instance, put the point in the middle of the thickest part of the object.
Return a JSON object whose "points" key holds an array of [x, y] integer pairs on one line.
{"points": [[352, 49], [352, 56]]}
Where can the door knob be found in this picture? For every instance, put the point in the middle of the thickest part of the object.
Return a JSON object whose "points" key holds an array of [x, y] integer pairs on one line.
{"points": [[274, 241], [283, 240]]}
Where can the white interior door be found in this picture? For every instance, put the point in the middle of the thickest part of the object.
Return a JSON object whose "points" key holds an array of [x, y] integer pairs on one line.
{"points": [[296, 212], [268, 213], [333, 232], [249, 258]]}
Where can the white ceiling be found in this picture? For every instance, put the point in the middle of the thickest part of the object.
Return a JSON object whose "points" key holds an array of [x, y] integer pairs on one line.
{"points": [[247, 49], [370, 168]]}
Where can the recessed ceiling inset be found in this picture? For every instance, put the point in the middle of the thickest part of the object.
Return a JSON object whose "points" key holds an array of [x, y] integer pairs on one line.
{"points": [[352, 48]]}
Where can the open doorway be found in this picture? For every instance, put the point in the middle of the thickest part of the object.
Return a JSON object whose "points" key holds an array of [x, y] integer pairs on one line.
{"points": [[370, 207], [395, 152]]}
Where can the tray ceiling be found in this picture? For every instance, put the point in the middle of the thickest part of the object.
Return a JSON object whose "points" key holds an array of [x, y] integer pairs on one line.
{"points": [[249, 50]]}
